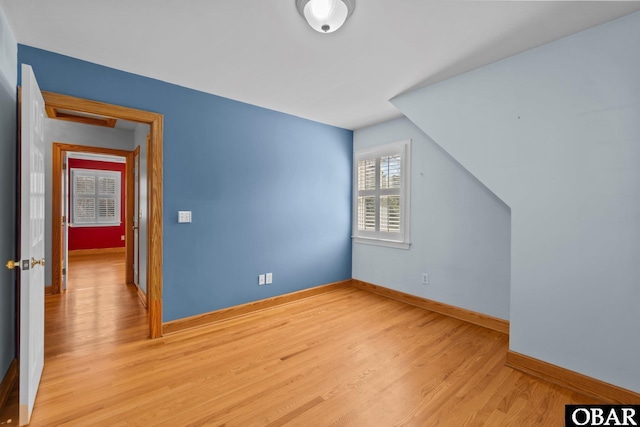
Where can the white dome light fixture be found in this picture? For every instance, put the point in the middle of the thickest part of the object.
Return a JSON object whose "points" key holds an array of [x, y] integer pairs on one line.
{"points": [[325, 16]]}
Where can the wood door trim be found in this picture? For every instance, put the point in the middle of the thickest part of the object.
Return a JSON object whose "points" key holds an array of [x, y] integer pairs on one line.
{"points": [[154, 179]]}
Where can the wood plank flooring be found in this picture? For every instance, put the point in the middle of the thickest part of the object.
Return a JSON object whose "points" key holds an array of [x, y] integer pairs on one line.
{"points": [[346, 358]]}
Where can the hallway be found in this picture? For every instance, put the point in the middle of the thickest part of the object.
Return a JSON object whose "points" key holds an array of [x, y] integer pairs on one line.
{"points": [[97, 310]]}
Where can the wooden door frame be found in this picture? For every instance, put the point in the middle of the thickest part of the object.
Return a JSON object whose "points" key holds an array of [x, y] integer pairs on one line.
{"points": [[58, 150], [154, 182]]}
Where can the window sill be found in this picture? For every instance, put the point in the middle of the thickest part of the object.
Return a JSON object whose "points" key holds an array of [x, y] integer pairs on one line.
{"points": [[381, 242], [101, 224]]}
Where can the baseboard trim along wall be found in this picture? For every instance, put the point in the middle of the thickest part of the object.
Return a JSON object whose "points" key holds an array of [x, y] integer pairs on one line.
{"points": [[476, 318], [141, 295], [99, 251], [534, 367], [251, 307], [7, 382], [571, 380]]}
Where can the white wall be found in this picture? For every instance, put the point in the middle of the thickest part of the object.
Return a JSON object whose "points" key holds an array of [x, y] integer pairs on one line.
{"points": [[459, 231], [555, 133], [140, 140], [8, 54], [79, 134]]}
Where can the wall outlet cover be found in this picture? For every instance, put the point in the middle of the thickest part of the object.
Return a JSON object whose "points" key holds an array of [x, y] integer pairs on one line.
{"points": [[184, 216]]}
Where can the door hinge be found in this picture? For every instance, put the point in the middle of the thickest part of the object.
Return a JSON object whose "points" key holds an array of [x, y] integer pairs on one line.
{"points": [[64, 166], [64, 271], [64, 219]]}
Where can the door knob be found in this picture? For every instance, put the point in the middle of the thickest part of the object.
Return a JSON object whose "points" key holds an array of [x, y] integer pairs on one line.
{"points": [[11, 264], [35, 262]]}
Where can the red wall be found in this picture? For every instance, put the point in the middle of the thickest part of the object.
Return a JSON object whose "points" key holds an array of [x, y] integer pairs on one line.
{"points": [[99, 237]]}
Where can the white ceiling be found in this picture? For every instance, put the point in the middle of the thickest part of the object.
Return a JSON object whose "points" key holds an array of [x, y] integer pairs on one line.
{"points": [[263, 53]]}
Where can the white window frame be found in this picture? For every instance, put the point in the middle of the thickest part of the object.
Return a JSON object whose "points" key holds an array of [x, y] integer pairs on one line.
{"points": [[401, 239], [97, 174]]}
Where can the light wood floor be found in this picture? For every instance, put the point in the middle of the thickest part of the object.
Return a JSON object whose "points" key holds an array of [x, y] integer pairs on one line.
{"points": [[343, 358]]}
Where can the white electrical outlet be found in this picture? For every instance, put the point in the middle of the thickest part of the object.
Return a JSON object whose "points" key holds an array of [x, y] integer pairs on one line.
{"points": [[261, 279], [269, 278], [425, 278]]}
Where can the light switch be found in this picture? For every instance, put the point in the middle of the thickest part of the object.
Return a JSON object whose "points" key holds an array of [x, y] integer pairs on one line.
{"points": [[184, 216]]}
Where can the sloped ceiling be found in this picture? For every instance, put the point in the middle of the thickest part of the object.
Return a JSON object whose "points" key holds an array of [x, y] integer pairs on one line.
{"points": [[263, 53]]}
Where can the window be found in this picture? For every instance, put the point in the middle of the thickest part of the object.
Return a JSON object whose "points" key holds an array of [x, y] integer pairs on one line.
{"points": [[381, 195], [95, 197]]}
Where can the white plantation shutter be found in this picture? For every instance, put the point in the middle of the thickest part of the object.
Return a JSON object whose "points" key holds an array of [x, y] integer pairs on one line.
{"points": [[84, 190], [366, 195], [390, 214], [95, 197], [367, 174], [381, 205], [85, 185], [108, 190], [106, 209], [367, 213], [107, 185], [390, 171], [84, 210]]}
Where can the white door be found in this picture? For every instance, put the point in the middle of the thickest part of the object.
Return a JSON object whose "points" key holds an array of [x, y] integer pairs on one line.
{"points": [[136, 217], [65, 221], [31, 243]]}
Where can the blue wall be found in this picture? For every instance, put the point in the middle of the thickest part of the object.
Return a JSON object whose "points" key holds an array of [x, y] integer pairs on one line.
{"points": [[8, 144], [269, 192]]}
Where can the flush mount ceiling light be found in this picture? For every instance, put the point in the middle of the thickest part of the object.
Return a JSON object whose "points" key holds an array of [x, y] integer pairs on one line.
{"points": [[325, 16]]}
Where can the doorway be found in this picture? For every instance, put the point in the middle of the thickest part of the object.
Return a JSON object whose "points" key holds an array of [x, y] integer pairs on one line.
{"points": [[55, 102], [93, 222]]}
